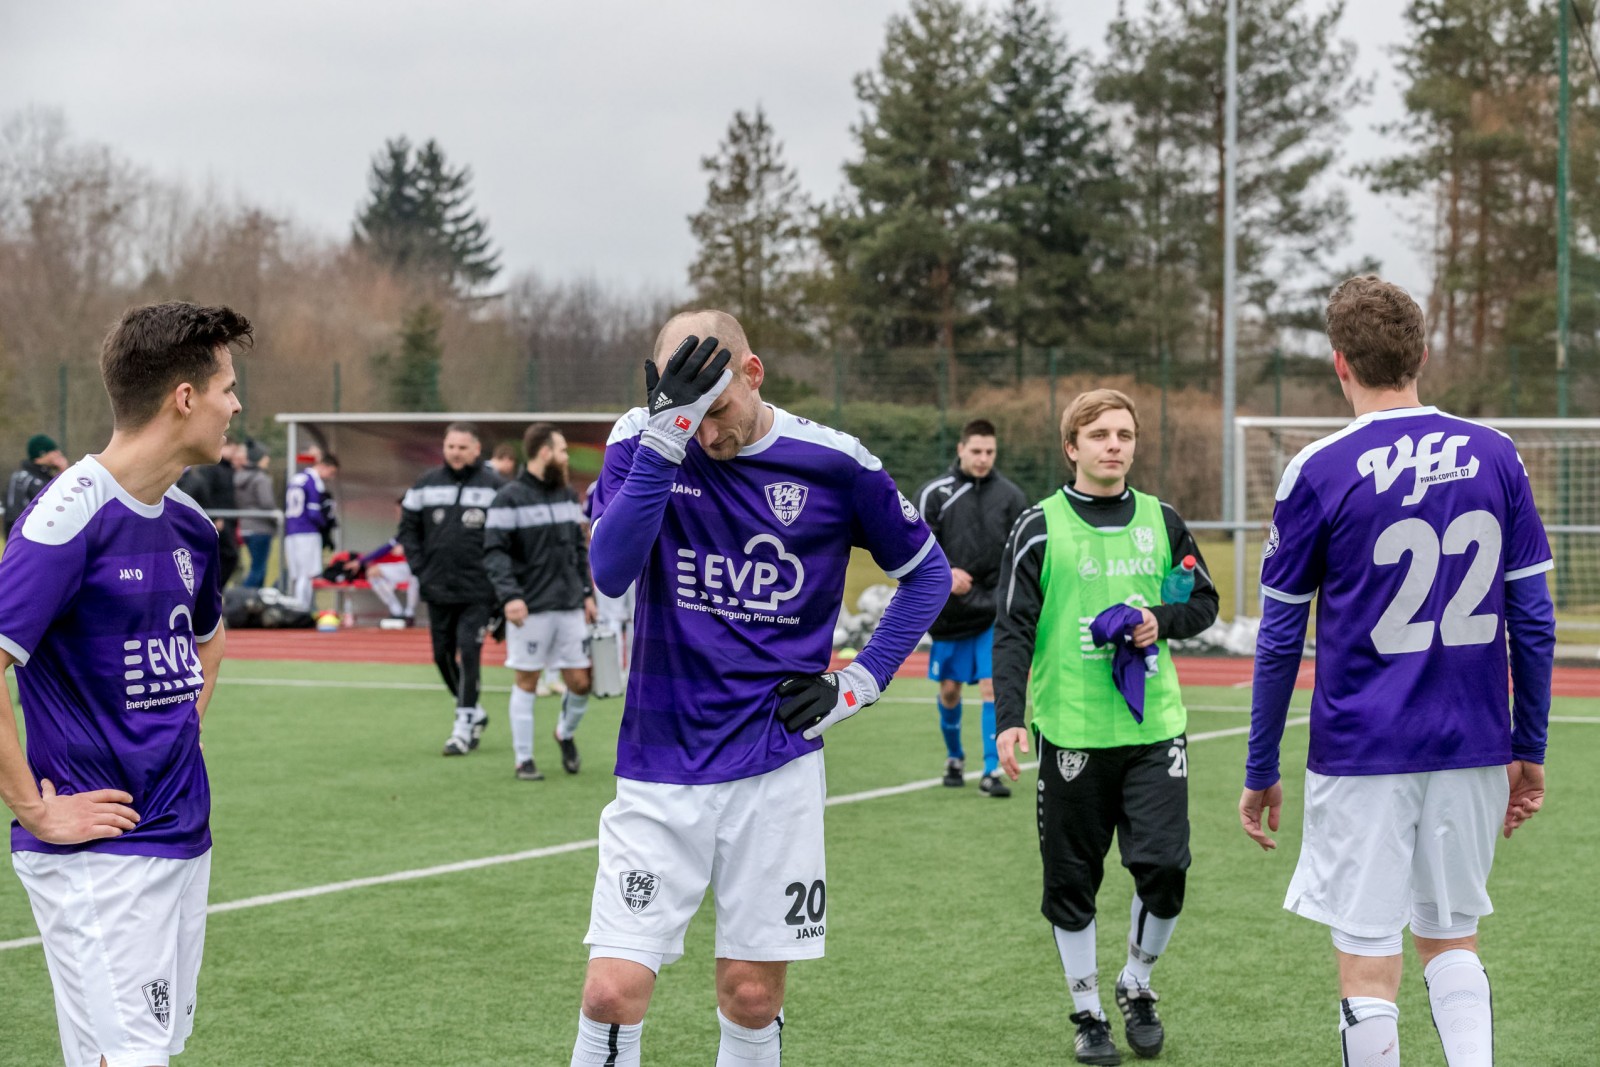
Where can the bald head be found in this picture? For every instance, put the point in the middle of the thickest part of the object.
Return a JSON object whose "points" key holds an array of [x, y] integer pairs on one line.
{"points": [[702, 324]]}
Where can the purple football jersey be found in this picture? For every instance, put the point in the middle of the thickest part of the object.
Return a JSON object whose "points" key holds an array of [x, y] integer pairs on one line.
{"points": [[1406, 526], [742, 588], [102, 601], [305, 504]]}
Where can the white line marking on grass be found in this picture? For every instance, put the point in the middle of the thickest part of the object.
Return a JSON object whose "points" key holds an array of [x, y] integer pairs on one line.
{"points": [[576, 846], [1574, 718]]}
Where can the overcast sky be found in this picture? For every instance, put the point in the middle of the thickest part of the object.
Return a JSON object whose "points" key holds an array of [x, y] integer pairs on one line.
{"points": [[584, 123]]}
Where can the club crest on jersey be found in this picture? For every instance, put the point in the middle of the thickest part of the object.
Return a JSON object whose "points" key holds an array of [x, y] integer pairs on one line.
{"points": [[638, 889], [1144, 539], [1432, 463], [908, 509], [786, 499], [1071, 764], [158, 995], [185, 564], [1272, 542]]}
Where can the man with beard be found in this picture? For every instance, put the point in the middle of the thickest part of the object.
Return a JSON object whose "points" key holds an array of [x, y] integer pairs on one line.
{"points": [[536, 553], [442, 518]]}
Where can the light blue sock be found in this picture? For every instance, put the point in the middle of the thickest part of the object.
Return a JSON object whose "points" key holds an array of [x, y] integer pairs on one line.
{"points": [[991, 752], [950, 724]]}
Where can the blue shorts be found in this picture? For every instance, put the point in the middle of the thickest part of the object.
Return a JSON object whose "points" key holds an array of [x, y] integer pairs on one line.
{"points": [[965, 660]]}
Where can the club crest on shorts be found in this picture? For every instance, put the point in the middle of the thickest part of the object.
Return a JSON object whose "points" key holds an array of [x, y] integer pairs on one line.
{"points": [[638, 889], [1071, 764], [786, 499], [1144, 539], [185, 563], [158, 995]]}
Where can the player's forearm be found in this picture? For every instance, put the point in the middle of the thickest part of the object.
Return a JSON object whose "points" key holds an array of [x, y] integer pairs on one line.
{"points": [[210, 654], [1531, 627], [1178, 622], [17, 788], [625, 534], [1279, 645], [922, 594], [497, 565]]}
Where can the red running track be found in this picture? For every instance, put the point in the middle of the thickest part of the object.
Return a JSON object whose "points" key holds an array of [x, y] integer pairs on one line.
{"points": [[412, 646]]}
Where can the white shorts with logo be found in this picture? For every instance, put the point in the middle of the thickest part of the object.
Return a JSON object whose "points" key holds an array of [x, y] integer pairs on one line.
{"points": [[548, 639], [1377, 846], [123, 937], [757, 842]]}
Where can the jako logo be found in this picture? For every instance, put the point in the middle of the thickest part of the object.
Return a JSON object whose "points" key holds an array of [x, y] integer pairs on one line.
{"points": [[131, 574], [760, 577], [687, 490]]}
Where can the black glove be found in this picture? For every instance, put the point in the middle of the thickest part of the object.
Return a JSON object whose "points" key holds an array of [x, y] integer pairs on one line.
{"points": [[814, 702], [677, 400]]}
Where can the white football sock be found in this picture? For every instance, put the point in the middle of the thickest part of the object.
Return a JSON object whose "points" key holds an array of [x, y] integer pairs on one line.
{"points": [[572, 709], [521, 716], [462, 731], [606, 1043], [743, 1047], [1458, 992], [1078, 963], [1369, 1032], [1147, 940]]}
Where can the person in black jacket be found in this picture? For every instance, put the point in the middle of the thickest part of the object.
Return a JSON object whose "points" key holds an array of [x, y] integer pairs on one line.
{"points": [[45, 461], [211, 486], [535, 549], [970, 509], [442, 518]]}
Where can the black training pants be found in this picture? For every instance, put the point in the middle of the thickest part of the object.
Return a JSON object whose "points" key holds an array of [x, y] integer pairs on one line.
{"points": [[1139, 791], [457, 631]]}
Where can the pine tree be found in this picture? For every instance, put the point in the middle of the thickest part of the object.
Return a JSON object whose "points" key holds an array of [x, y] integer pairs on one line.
{"points": [[1052, 208], [419, 221], [907, 240], [1165, 81], [411, 375], [753, 233]]}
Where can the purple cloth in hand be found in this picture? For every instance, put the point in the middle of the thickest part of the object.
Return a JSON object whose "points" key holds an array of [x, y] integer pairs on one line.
{"points": [[1114, 626]]}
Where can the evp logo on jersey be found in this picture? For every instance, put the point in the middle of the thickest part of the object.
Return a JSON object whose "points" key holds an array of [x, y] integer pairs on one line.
{"points": [[762, 576], [787, 500], [1432, 463]]}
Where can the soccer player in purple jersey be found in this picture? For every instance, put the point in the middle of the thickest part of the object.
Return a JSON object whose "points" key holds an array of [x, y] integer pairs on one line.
{"points": [[1417, 534], [307, 526], [110, 608], [736, 519]]}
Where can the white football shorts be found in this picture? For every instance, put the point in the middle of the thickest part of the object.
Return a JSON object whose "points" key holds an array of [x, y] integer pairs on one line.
{"points": [[1376, 846], [548, 639], [757, 842], [123, 936]]}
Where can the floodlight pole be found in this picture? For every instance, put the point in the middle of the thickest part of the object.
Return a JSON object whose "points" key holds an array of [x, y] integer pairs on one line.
{"points": [[1230, 198], [1563, 222]]}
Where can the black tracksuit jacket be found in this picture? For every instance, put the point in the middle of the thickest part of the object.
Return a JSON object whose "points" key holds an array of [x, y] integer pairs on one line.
{"points": [[971, 518], [535, 547], [442, 518]]}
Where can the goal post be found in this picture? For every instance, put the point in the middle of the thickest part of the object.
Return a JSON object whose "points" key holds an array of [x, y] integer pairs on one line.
{"points": [[1563, 461]]}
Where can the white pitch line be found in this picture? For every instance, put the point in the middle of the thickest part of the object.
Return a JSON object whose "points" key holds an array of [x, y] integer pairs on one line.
{"points": [[570, 846]]}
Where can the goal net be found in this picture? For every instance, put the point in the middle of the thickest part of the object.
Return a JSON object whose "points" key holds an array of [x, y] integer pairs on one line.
{"points": [[1563, 461]]}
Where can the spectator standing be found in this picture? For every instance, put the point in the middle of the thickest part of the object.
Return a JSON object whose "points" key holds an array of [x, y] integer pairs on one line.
{"points": [[970, 509], [45, 461], [442, 518], [252, 491]]}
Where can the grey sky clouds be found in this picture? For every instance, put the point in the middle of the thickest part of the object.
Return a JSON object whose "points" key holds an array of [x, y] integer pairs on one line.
{"points": [[583, 122]]}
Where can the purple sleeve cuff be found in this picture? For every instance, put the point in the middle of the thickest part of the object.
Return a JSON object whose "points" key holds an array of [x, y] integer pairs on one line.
{"points": [[1279, 646], [1531, 626], [921, 596], [624, 535]]}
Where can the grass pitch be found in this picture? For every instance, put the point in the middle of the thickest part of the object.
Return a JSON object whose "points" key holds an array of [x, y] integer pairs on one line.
{"points": [[937, 953]]}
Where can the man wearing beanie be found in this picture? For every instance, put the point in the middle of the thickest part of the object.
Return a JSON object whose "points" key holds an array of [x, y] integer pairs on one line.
{"points": [[44, 462]]}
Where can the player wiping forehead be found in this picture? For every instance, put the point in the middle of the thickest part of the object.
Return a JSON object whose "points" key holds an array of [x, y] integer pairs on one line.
{"points": [[736, 519]]}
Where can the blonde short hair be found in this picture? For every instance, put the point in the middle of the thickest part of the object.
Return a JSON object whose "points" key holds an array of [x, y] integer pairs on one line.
{"points": [[1086, 407]]}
